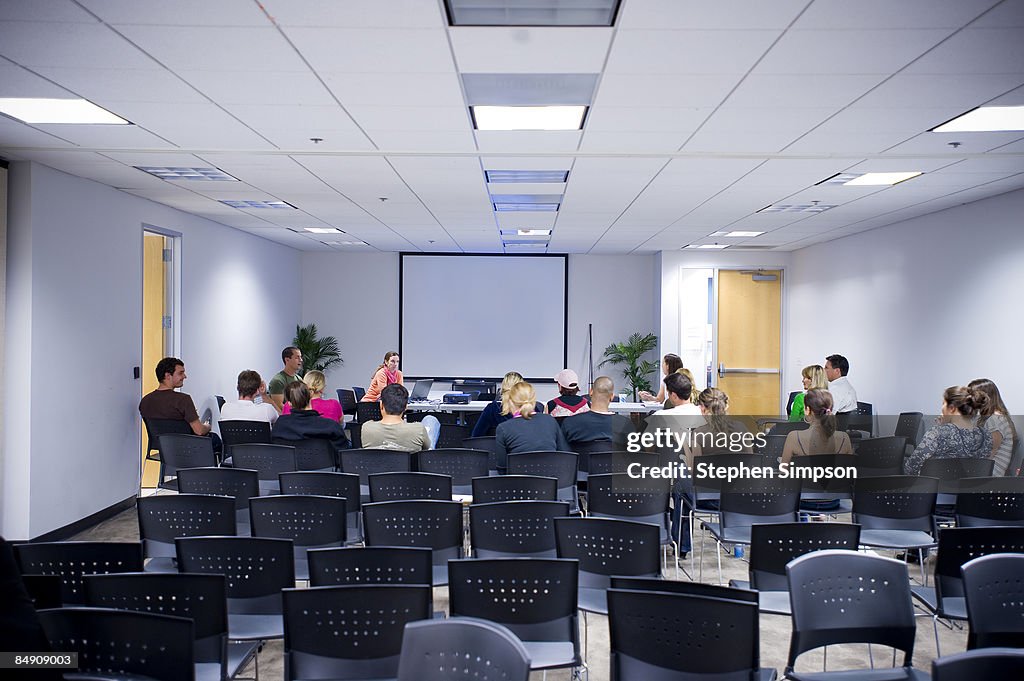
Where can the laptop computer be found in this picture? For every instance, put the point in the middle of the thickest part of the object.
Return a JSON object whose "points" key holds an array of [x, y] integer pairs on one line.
{"points": [[421, 390]]}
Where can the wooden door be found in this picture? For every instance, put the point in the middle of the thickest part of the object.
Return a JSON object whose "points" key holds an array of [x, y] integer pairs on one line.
{"points": [[749, 340], [154, 296]]}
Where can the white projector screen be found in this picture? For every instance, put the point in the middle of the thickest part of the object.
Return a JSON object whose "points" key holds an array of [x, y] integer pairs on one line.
{"points": [[480, 316]]}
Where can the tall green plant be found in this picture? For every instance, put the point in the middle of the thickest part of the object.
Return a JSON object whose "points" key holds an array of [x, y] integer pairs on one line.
{"points": [[317, 353], [630, 354]]}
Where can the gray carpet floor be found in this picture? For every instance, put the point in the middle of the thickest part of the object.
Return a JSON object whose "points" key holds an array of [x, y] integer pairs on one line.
{"points": [[775, 630]]}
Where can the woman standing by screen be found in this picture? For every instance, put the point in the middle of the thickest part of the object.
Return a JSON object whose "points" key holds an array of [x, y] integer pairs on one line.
{"points": [[386, 374]]}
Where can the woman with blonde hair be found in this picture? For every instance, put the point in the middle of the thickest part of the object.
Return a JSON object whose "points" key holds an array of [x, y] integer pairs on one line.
{"points": [[527, 429], [494, 413], [813, 377], [383, 376], [995, 418], [329, 409]]}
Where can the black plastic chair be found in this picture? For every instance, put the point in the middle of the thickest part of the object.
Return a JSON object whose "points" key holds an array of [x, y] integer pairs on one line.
{"points": [[44, 590], [489, 444], [309, 521], [619, 462], [584, 450], [985, 663], [256, 568], [773, 447], [70, 560], [946, 599], [358, 392], [123, 644], [534, 598], [370, 565], [950, 473], [786, 427], [240, 433], [409, 486], [179, 451], [909, 425], [436, 525], [482, 650], [835, 488], [772, 547], [363, 462], [642, 500], [367, 411], [848, 597], [461, 464], [268, 460], [363, 639], [995, 606], [348, 401], [157, 427], [880, 456], [559, 465], [164, 518], [675, 586], [896, 512], [313, 454], [509, 529], [987, 502], [451, 435], [514, 488], [344, 485], [201, 598], [241, 484], [670, 637], [606, 547]]}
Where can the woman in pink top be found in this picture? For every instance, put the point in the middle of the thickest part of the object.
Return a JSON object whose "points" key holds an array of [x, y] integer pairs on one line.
{"points": [[329, 409], [386, 374]]}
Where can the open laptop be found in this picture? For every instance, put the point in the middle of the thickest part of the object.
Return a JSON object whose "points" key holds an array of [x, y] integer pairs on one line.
{"points": [[421, 390]]}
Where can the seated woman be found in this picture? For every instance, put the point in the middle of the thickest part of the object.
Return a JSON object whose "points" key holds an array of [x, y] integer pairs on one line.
{"points": [[569, 401], [813, 377], [492, 415], [821, 437], [670, 364], [719, 432], [526, 430], [386, 374], [956, 435], [995, 418], [303, 423], [329, 409]]}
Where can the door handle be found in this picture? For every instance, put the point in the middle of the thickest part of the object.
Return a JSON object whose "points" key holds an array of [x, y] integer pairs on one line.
{"points": [[722, 371]]}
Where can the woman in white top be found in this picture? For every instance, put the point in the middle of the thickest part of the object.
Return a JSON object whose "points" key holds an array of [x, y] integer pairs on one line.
{"points": [[821, 437], [995, 418]]}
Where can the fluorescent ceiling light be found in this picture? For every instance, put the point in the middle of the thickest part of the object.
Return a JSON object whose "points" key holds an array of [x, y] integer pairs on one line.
{"points": [[716, 247], [986, 119], [72, 111], [323, 230], [346, 243], [200, 174], [533, 13], [526, 176], [797, 208], [526, 232], [880, 179], [737, 234], [528, 117], [503, 207], [257, 204]]}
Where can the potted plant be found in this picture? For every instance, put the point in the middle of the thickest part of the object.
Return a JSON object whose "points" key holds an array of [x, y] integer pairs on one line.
{"points": [[317, 353], [630, 354]]}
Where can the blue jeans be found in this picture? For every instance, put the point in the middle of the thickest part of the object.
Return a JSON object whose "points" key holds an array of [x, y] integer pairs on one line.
{"points": [[433, 427]]}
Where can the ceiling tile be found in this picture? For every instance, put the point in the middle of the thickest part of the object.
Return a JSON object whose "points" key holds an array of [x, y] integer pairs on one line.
{"points": [[216, 48], [883, 14], [369, 50], [396, 89], [975, 50], [178, 13], [352, 14], [32, 44], [123, 85], [687, 51], [848, 52], [684, 14], [255, 87]]}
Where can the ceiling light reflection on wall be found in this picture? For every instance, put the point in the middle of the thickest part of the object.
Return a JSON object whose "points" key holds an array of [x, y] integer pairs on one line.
{"points": [[528, 117]]}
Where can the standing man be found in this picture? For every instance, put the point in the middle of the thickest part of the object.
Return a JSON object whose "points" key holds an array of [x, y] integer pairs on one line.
{"points": [[166, 403], [844, 397], [292, 358]]}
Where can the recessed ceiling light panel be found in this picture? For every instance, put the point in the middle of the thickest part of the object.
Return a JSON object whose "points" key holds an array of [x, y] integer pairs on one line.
{"points": [[526, 232], [528, 117], [881, 179], [986, 119], [323, 230], [797, 208], [715, 247], [533, 13], [526, 176], [69, 111], [503, 207], [257, 204], [199, 174]]}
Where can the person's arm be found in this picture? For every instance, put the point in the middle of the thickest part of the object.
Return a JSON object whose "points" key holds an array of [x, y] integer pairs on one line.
{"points": [[845, 446], [377, 383], [928, 448], [276, 401], [485, 423], [997, 441], [789, 447], [797, 412]]}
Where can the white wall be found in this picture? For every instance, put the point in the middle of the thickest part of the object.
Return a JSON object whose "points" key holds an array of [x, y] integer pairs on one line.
{"points": [[917, 306], [74, 334]]}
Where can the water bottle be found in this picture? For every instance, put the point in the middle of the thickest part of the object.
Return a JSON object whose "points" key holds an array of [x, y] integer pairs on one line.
{"points": [[622, 397], [737, 551]]}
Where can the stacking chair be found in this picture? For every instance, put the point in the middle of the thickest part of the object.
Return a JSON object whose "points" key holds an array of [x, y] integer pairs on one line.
{"points": [[879, 456], [267, 460], [367, 411], [344, 485], [164, 518], [560, 465], [362, 462], [407, 486], [436, 525], [157, 427], [370, 565], [895, 512], [179, 451], [348, 401], [584, 450], [508, 529], [839, 489], [675, 586], [451, 435], [951, 472], [534, 598], [201, 598], [908, 425], [309, 521], [483, 650], [673, 636], [642, 500], [43, 590], [461, 464], [848, 597], [946, 598], [990, 502], [995, 607], [772, 547], [313, 454], [241, 433], [489, 444], [256, 569], [73, 559], [619, 462], [240, 484], [358, 392], [784, 428], [514, 488], [773, 447], [123, 644], [363, 639], [984, 663]]}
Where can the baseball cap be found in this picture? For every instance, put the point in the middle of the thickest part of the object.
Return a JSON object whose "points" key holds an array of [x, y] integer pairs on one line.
{"points": [[567, 378]]}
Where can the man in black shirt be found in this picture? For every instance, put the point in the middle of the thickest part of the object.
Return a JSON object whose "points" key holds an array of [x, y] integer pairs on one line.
{"points": [[599, 423]]}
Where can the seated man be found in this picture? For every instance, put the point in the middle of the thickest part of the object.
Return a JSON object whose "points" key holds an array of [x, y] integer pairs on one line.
{"points": [[599, 423], [844, 397], [304, 423], [246, 408], [166, 403], [392, 431]]}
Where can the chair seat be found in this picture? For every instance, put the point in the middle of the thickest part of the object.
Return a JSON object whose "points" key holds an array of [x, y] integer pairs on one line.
{"points": [[593, 600], [165, 564], [244, 627], [897, 539], [207, 671], [732, 535], [440, 575], [240, 653], [771, 602], [897, 674], [953, 608], [551, 654]]}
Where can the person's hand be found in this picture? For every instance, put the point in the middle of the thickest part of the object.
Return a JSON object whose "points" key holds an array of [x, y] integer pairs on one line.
{"points": [[263, 388]]}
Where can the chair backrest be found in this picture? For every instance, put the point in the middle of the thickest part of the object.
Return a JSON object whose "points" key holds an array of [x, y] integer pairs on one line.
{"points": [[995, 600], [348, 400], [489, 444], [165, 517], [959, 545], [484, 651], [790, 399], [877, 456], [560, 465], [675, 586], [461, 464], [310, 521], [367, 411], [514, 488], [772, 547], [179, 451], [323, 483], [680, 620], [849, 597], [71, 560], [748, 501], [436, 525], [364, 639], [861, 418], [773, 446], [606, 547], [515, 528], [408, 485], [585, 449], [895, 502], [267, 460], [908, 425], [787, 427], [157, 427], [451, 435], [362, 462], [951, 471], [986, 663], [123, 643], [313, 454], [241, 484], [370, 565], [836, 473], [709, 471], [243, 432], [619, 462], [617, 495], [255, 568], [990, 502], [358, 392]]}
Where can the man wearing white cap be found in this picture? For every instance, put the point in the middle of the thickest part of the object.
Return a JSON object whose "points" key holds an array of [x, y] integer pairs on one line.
{"points": [[568, 401]]}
